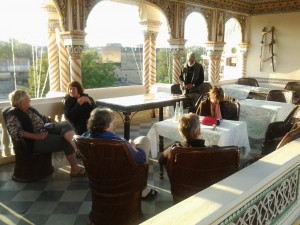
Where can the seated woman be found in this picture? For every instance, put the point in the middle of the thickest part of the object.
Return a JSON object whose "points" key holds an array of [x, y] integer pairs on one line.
{"points": [[23, 121], [78, 106], [189, 129], [211, 105], [100, 125]]}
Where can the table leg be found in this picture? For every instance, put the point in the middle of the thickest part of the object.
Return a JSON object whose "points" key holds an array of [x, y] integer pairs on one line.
{"points": [[161, 143], [161, 149], [126, 125]]}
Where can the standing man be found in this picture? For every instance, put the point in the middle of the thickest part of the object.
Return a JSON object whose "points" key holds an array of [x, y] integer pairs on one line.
{"points": [[192, 76]]}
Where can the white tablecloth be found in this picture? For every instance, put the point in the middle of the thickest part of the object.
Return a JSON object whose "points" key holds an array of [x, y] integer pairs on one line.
{"points": [[241, 92], [228, 133], [259, 113]]}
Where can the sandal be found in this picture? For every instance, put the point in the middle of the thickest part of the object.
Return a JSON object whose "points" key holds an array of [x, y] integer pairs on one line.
{"points": [[80, 173], [150, 196]]}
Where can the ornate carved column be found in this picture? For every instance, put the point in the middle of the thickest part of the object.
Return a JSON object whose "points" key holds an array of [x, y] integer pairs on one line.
{"points": [[53, 23], [63, 65], [214, 52], [177, 47], [242, 58], [149, 56], [74, 43], [146, 61]]}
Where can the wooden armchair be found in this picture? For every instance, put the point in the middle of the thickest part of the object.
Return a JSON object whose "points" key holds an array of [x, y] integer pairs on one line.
{"points": [[230, 110], [290, 136], [29, 166], [248, 81], [276, 130], [280, 96], [295, 87], [205, 88], [116, 181], [191, 170], [175, 89]]}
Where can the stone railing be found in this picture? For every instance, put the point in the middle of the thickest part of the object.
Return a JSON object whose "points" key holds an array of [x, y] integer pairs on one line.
{"points": [[266, 192]]}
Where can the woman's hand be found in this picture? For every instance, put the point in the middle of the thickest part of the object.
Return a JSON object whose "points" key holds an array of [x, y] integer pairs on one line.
{"points": [[83, 100], [41, 136], [188, 86], [132, 143]]}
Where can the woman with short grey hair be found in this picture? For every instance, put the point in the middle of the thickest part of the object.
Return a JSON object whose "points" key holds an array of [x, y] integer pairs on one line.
{"points": [[40, 133], [101, 125]]}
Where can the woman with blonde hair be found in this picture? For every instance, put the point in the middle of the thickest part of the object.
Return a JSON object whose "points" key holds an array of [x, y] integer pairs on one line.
{"points": [[190, 131]]}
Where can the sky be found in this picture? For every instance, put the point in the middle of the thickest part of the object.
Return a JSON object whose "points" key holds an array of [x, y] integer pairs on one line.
{"points": [[108, 22], [23, 20]]}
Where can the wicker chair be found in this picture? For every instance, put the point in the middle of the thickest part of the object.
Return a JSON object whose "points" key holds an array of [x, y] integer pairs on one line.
{"points": [[230, 110], [290, 136], [295, 87], [248, 81], [280, 96], [29, 166], [175, 89], [276, 130], [116, 181], [205, 88], [191, 170]]}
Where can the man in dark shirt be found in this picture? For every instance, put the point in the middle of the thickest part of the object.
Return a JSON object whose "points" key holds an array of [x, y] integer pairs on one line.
{"points": [[192, 76]]}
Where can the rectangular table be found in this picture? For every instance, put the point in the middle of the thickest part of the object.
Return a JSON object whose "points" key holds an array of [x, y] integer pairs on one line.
{"points": [[241, 92], [229, 132], [259, 113], [136, 103]]}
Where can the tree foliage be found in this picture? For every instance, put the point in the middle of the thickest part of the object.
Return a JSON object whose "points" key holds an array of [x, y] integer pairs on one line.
{"points": [[38, 77], [95, 73], [21, 50], [164, 66]]}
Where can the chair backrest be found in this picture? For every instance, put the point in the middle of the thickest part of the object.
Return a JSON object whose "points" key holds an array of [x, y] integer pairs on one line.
{"points": [[116, 181], [20, 146], [175, 89], [293, 86], [200, 99], [248, 81], [205, 88], [280, 96], [193, 169], [290, 136], [294, 116], [230, 110]]}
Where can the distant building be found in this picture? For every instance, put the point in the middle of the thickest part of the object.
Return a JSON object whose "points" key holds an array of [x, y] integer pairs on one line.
{"points": [[128, 61], [7, 69]]}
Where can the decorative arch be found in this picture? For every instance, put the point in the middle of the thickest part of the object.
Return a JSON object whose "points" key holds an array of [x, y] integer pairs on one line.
{"points": [[241, 19], [163, 7], [231, 55], [206, 13]]}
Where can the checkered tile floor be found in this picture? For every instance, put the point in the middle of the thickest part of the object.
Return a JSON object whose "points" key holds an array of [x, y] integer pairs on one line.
{"points": [[60, 200]]}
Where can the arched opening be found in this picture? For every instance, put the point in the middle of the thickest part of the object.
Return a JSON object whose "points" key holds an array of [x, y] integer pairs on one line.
{"points": [[195, 32], [230, 62]]}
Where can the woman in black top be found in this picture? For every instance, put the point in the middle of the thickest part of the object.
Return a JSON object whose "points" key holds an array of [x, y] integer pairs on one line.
{"points": [[78, 106]]}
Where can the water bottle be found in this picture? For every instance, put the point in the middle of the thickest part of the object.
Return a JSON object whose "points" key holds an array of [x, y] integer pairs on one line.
{"points": [[176, 114], [181, 109]]}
